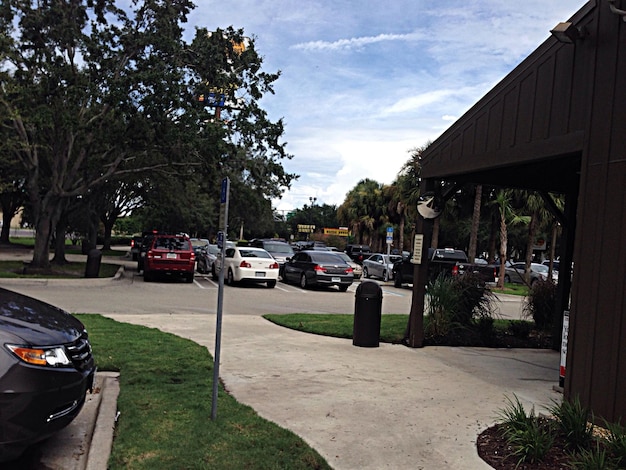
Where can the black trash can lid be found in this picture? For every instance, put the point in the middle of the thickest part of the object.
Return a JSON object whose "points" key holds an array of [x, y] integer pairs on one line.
{"points": [[369, 289]]}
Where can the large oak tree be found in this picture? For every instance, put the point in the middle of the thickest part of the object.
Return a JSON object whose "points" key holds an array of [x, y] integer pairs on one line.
{"points": [[92, 93]]}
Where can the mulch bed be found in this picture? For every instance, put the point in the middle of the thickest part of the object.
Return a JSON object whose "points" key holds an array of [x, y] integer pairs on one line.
{"points": [[494, 450]]}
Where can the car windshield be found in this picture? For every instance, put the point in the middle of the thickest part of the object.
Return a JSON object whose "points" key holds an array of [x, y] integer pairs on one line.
{"points": [[326, 257], [540, 268], [278, 248], [254, 254], [344, 257], [172, 243], [394, 258]]}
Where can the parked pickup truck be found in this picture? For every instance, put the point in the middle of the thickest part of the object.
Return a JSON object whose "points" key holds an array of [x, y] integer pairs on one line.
{"points": [[448, 261]]}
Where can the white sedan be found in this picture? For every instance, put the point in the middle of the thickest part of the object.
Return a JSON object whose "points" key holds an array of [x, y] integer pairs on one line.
{"points": [[246, 263]]}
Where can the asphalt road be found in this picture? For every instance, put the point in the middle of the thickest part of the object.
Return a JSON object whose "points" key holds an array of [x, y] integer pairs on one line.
{"points": [[130, 294]]}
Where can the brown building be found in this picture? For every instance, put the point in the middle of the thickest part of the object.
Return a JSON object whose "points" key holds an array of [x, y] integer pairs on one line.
{"points": [[557, 123]]}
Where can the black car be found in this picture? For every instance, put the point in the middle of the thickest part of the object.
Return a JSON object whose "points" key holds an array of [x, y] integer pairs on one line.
{"points": [[46, 369], [358, 252], [318, 268]]}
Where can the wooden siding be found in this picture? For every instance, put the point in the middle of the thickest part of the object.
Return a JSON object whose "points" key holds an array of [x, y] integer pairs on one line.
{"points": [[562, 113], [542, 103]]}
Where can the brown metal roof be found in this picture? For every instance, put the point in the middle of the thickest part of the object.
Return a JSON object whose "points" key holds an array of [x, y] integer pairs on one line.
{"points": [[529, 129]]}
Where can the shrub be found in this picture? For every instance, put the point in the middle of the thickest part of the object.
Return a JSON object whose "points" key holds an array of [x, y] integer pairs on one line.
{"points": [[540, 304], [575, 423], [475, 299], [520, 328], [592, 459], [443, 299], [530, 437], [616, 442]]}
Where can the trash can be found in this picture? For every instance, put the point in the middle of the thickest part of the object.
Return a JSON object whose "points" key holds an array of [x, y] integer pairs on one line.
{"points": [[92, 268], [367, 312]]}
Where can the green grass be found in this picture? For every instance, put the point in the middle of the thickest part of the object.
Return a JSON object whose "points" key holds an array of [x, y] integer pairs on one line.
{"points": [[392, 327], [165, 408], [512, 289], [13, 269]]}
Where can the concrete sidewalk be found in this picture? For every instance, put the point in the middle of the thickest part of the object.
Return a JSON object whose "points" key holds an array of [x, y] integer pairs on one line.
{"points": [[369, 408]]}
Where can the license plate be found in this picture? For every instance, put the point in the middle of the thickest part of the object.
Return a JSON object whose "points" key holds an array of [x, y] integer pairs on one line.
{"points": [[336, 279], [259, 274], [171, 256]]}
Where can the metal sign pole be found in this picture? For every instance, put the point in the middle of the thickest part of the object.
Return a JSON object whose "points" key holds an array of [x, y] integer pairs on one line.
{"points": [[221, 241]]}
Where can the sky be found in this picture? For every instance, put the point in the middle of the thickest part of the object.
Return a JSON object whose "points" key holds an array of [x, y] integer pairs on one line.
{"points": [[364, 82]]}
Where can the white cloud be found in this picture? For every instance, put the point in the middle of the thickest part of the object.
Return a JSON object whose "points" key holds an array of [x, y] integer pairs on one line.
{"points": [[355, 42], [364, 83]]}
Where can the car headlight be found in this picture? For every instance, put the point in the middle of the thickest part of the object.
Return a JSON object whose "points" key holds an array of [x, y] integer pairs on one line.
{"points": [[53, 357]]}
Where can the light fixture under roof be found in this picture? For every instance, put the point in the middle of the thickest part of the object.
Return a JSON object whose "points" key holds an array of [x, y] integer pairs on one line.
{"points": [[568, 33]]}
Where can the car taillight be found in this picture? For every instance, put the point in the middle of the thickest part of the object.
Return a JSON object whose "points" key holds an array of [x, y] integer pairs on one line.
{"points": [[274, 266], [149, 254], [349, 270], [319, 268], [245, 264], [193, 256], [455, 271], [132, 243]]}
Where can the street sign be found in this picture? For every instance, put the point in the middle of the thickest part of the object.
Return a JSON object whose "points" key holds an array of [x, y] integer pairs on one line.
{"points": [[224, 191], [389, 235]]}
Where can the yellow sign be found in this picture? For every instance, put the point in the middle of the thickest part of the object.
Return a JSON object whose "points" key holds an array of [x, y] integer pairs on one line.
{"points": [[340, 232]]}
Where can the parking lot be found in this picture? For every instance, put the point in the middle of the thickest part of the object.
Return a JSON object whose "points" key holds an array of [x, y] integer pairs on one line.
{"points": [[129, 294]]}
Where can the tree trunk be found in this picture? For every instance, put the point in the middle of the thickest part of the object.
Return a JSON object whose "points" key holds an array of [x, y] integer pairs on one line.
{"points": [[473, 242], [493, 235], [532, 229], [59, 245], [503, 249], [41, 251]]}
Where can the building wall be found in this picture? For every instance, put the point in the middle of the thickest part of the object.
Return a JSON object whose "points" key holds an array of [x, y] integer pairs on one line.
{"points": [[596, 366]]}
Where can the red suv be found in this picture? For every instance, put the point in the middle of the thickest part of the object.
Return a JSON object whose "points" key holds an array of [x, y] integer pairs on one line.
{"points": [[169, 254]]}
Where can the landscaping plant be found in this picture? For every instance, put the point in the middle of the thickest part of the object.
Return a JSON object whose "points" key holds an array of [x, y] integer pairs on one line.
{"points": [[575, 422], [540, 304]]}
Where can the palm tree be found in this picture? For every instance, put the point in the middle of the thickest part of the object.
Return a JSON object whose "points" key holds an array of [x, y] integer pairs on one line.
{"points": [[507, 216], [473, 241], [533, 204], [363, 210]]}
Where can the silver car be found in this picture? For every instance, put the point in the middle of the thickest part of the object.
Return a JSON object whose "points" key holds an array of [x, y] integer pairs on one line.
{"points": [[380, 265], [514, 273], [356, 267]]}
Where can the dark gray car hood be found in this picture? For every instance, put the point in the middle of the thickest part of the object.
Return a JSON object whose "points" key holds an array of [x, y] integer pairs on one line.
{"points": [[30, 321]]}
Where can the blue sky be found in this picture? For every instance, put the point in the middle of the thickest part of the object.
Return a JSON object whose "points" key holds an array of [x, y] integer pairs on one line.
{"points": [[364, 82]]}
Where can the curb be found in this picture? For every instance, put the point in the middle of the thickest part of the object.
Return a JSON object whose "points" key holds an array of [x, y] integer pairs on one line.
{"points": [[101, 440]]}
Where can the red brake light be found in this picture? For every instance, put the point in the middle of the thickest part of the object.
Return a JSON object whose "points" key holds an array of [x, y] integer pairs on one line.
{"points": [[132, 243], [319, 268], [349, 270], [274, 266], [455, 271], [245, 264]]}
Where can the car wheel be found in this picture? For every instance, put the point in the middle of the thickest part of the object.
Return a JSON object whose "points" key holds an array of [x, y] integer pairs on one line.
{"points": [[343, 288], [147, 276], [271, 284], [397, 280], [365, 273], [385, 275], [213, 273], [189, 278], [303, 281], [507, 279], [230, 278]]}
